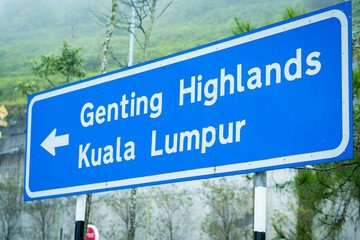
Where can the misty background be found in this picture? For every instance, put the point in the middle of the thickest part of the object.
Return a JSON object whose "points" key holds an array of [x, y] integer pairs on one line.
{"points": [[30, 28]]}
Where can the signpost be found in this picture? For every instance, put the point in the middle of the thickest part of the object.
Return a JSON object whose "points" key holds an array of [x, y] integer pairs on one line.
{"points": [[92, 233], [3, 114], [276, 97]]}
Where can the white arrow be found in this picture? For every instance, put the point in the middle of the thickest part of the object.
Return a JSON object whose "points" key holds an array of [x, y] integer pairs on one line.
{"points": [[52, 141]]}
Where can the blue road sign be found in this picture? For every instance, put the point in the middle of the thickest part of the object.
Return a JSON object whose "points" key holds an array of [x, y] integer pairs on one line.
{"points": [[276, 97]]}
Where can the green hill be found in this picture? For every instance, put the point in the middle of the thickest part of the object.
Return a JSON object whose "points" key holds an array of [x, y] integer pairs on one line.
{"points": [[32, 28]]}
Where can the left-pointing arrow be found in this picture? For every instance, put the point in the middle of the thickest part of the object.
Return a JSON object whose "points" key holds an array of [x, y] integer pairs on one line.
{"points": [[52, 141]]}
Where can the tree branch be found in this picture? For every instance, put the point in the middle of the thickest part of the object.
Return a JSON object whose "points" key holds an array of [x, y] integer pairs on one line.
{"points": [[326, 169]]}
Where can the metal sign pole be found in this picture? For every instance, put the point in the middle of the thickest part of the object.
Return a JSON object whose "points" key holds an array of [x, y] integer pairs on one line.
{"points": [[132, 37], [259, 206], [80, 217]]}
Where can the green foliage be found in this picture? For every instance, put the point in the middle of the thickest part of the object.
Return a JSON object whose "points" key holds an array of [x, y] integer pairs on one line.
{"points": [[7, 93], [310, 195], [40, 28], [121, 203], [27, 88], [279, 232], [242, 27], [173, 218], [291, 13], [279, 222], [228, 209], [49, 69], [45, 68], [69, 63], [42, 213], [10, 207], [356, 82]]}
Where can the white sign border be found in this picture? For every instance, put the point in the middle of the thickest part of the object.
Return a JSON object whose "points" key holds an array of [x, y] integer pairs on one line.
{"points": [[247, 166]]}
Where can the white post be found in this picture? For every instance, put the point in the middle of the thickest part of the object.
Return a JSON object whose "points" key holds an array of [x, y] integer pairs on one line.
{"points": [[260, 206], [80, 217], [132, 36]]}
